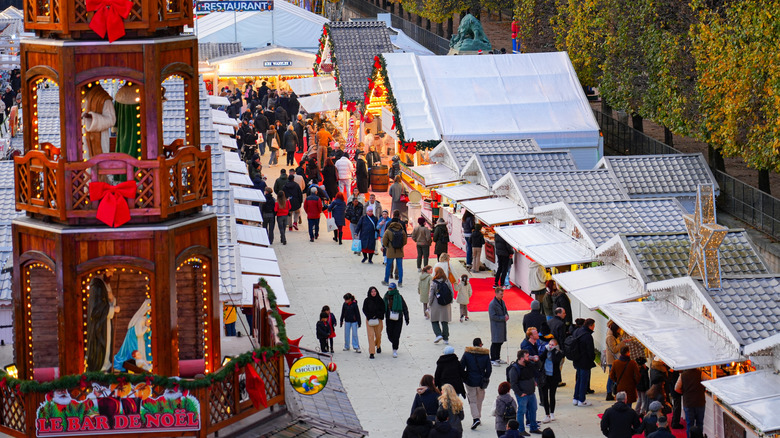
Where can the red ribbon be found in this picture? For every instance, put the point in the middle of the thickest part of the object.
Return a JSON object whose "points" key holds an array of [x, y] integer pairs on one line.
{"points": [[113, 210], [109, 17], [351, 107], [255, 387], [393, 127], [410, 147]]}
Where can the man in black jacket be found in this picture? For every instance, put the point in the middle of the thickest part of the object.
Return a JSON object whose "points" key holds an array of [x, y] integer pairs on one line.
{"points": [[557, 325], [584, 362], [261, 125], [476, 367], [504, 254], [534, 318], [619, 421], [522, 380]]}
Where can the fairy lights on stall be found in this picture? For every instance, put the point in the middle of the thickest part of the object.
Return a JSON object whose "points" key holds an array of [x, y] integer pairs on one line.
{"points": [[28, 308], [200, 271]]}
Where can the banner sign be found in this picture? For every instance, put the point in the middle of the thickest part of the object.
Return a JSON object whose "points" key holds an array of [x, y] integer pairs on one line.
{"points": [[116, 409], [308, 375], [277, 63], [206, 6]]}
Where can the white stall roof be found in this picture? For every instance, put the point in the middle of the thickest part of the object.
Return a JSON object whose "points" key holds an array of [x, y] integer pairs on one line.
{"points": [[503, 216], [545, 244], [248, 213], [236, 166], [658, 325], [218, 101], [431, 175], [252, 235], [257, 252], [411, 96], [320, 102], [248, 282], [601, 285], [238, 179], [464, 192], [315, 85], [754, 396], [245, 194], [490, 204], [259, 266]]}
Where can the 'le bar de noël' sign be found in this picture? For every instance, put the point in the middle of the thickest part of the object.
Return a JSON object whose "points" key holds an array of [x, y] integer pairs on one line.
{"points": [[206, 6]]}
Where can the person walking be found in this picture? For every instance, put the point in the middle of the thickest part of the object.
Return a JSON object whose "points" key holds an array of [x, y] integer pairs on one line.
{"points": [[395, 309], [663, 429], [330, 177], [534, 318], [323, 331], [584, 362], [464, 295], [290, 144], [396, 191], [295, 195], [361, 172], [523, 381], [384, 221], [366, 229], [417, 425], [427, 397], [619, 420], [548, 301], [274, 143], [440, 305], [313, 208], [693, 400], [424, 288], [350, 314], [443, 428], [282, 210], [323, 141], [281, 181], [374, 311], [625, 375], [550, 358], [441, 237], [612, 352], [477, 242], [451, 404], [499, 316], [448, 371], [331, 326], [506, 408], [561, 299], [394, 241], [476, 369], [421, 235], [345, 169], [269, 214], [338, 209], [353, 215], [468, 229], [504, 254]]}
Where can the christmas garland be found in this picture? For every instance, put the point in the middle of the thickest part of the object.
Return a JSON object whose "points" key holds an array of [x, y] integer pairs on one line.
{"points": [[72, 381], [318, 59], [380, 68]]}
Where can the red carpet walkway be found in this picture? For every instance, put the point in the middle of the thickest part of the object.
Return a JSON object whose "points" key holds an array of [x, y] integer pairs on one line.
{"points": [[482, 293], [410, 252]]}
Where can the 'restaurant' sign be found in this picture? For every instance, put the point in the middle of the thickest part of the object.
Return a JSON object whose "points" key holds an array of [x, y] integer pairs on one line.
{"points": [[206, 6]]}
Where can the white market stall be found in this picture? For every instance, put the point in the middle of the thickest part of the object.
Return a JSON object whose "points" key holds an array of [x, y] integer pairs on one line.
{"points": [[755, 397], [490, 212], [600, 285], [448, 199]]}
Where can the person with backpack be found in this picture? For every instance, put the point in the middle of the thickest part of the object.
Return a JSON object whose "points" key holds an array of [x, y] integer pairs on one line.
{"points": [[476, 369], [394, 241], [550, 358], [506, 408], [521, 375], [579, 349], [440, 306]]}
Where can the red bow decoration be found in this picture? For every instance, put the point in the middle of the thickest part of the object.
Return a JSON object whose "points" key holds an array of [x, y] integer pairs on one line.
{"points": [[411, 147], [294, 352], [370, 84], [318, 59], [351, 107], [393, 127], [255, 387], [281, 312], [314, 70], [377, 63], [113, 210], [109, 16]]}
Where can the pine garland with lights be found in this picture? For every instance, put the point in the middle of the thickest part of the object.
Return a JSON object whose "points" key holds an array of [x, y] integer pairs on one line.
{"points": [[73, 381]]}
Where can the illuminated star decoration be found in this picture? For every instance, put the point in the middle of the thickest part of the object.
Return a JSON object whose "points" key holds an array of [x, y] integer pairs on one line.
{"points": [[706, 236]]}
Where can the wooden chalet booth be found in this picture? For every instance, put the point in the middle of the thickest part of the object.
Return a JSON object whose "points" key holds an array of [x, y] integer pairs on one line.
{"points": [[115, 278]]}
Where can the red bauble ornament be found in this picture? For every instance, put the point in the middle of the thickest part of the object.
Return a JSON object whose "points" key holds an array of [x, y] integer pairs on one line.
{"points": [[369, 118], [327, 67], [332, 367], [378, 92]]}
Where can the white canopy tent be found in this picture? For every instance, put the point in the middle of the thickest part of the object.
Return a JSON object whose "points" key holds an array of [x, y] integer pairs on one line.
{"points": [[313, 85], [287, 26], [545, 244], [680, 340], [533, 95], [601, 285], [464, 192], [754, 396]]}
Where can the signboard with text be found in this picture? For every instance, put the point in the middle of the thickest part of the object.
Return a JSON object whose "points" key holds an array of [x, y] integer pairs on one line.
{"points": [[277, 63], [206, 6]]}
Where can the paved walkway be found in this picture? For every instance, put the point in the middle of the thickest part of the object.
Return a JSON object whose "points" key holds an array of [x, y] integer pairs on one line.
{"points": [[382, 390]]}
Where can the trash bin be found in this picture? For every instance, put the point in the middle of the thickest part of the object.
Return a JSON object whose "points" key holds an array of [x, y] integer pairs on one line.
{"points": [[414, 206]]}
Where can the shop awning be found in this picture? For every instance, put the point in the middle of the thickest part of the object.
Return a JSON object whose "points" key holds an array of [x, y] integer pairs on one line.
{"points": [[251, 265], [249, 213], [252, 235], [601, 285], [257, 252], [675, 336], [316, 85], [489, 204], [503, 216], [754, 396], [245, 194], [545, 244], [431, 175], [248, 282], [464, 192], [320, 102]]}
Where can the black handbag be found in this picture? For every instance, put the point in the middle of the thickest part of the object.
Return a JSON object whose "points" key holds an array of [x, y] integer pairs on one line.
{"points": [[485, 382]]}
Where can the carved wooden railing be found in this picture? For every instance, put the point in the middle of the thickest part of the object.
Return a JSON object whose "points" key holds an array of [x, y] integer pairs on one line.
{"points": [[165, 186], [60, 16]]}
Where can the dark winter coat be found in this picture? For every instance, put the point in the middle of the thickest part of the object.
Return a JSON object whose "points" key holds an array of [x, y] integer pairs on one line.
{"points": [[350, 313], [417, 430], [661, 433], [361, 176], [366, 228], [330, 177], [562, 300], [294, 194], [373, 159], [261, 122], [477, 240], [268, 207], [290, 141], [502, 401], [502, 248], [522, 378], [448, 370], [535, 319], [338, 208], [475, 364], [281, 115], [323, 331], [441, 237], [648, 426], [587, 356], [427, 398], [558, 329], [619, 421], [556, 356], [354, 212], [443, 429], [497, 313], [374, 307]]}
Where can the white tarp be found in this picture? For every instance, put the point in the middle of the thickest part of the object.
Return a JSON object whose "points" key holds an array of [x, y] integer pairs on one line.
{"points": [[601, 285], [431, 174], [754, 396], [464, 192], [535, 95], [287, 26], [502, 216], [320, 102], [545, 244], [315, 85], [677, 338]]}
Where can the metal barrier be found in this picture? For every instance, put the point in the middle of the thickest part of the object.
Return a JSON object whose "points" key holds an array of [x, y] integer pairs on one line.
{"points": [[431, 41], [738, 199]]}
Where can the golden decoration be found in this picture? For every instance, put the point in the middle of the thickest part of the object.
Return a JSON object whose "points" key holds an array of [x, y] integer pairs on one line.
{"points": [[706, 236]]}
